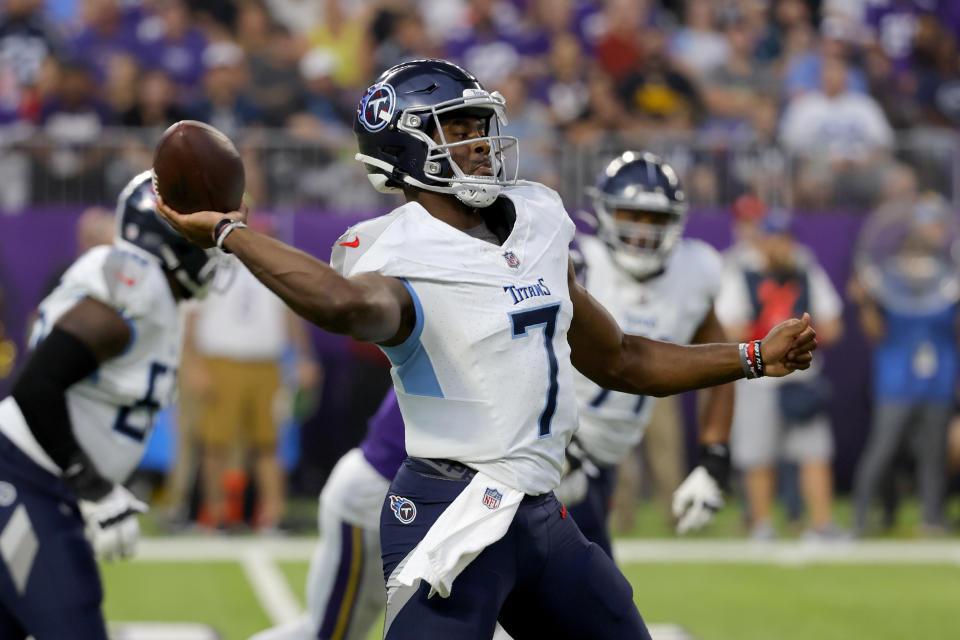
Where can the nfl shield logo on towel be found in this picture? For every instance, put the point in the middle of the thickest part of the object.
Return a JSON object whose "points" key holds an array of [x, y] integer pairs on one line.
{"points": [[511, 259], [491, 498]]}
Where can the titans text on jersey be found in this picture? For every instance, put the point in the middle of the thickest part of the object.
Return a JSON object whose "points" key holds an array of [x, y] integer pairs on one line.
{"points": [[521, 293]]}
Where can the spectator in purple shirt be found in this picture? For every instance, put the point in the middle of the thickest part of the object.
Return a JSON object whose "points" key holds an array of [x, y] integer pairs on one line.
{"points": [[168, 40], [106, 31], [548, 20], [493, 44], [891, 24]]}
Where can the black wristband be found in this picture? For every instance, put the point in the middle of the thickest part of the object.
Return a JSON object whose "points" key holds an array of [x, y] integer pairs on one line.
{"points": [[219, 227], [82, 476], [715, 458], [759, 359]]}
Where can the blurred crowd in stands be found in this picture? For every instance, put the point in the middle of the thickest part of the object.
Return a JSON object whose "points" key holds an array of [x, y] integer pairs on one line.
{"points": [[798, 100]]}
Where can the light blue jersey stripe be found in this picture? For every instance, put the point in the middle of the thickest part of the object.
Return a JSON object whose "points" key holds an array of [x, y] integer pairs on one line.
{"points": [[413, 364]]}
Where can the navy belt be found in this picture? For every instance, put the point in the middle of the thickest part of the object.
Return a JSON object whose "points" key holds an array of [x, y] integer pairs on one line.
{"points": [[441, 468], [445, 469]]}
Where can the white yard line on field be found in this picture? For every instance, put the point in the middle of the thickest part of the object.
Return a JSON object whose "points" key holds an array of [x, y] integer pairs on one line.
{"points": [[269, 585], [207, 549], [788, 553]]}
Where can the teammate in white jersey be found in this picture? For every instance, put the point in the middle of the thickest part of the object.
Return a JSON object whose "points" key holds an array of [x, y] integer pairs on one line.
{"points": [[468, 289], [662, 286], [106, 348]]}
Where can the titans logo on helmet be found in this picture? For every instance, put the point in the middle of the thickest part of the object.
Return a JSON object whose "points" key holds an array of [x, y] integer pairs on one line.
{"points": [[377, 106], [405, 510]]}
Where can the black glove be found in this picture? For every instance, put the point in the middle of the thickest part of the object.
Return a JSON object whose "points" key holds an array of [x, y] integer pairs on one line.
{"points": [[715, 458]]}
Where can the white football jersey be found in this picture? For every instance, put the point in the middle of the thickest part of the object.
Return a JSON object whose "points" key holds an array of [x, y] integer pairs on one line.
{"points": [[112, 410], [669, 307], [485, 378]]}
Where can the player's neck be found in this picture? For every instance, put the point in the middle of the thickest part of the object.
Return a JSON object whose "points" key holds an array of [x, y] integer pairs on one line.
{"points": [[446, 208]]}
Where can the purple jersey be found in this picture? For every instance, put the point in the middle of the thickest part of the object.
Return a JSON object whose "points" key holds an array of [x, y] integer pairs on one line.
{"points": [[181, 59], [894, 24], [383, 446], [948, 11], [97, 48]]}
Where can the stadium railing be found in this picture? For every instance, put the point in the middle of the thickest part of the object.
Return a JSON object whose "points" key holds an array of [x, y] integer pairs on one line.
{"points": [[51, 168]]}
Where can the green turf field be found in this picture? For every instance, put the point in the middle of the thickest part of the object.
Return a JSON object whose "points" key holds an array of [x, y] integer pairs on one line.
{"points": [[712, 601], [786, 596], [215, 593]]}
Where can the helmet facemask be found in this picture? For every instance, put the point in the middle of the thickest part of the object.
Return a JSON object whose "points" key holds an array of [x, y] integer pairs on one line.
{"points": [[640, 248], [194, 270]]}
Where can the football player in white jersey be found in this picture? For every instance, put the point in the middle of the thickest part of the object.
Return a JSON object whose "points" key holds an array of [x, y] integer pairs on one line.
{"points": [[106, 348], [468, 289], [662, 286]]}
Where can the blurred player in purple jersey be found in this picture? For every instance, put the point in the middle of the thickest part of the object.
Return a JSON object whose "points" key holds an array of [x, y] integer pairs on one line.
{"points": [[345, 588]]}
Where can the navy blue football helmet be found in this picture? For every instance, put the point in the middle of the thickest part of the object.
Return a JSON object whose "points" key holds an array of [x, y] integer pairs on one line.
{"points": [[639, 181], [139, 227], [398, 115]]}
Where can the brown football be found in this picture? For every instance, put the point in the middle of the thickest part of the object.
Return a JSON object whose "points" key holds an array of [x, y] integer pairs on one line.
{"points": [[197, 168]]}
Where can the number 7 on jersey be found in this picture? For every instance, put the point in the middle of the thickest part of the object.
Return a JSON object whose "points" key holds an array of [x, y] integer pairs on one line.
{"points": [[545, 317]]}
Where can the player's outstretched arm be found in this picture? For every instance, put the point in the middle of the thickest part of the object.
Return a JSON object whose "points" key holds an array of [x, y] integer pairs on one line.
{"points": [[624, 362], [368, 307]]}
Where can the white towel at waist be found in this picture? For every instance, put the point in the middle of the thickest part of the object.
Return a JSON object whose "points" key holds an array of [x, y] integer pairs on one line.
{"points": [[477, 518]]}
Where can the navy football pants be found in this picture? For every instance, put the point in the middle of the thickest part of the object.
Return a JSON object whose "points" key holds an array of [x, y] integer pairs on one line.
{"points": [[593, 513], [543, 579], [49, 584]]}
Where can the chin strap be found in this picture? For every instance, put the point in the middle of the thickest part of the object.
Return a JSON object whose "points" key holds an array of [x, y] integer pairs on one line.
{"points": [[473, 195], [479, 198]]}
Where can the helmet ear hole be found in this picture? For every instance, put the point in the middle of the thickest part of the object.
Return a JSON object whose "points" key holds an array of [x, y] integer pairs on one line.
{"points": [[394, 151]]}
